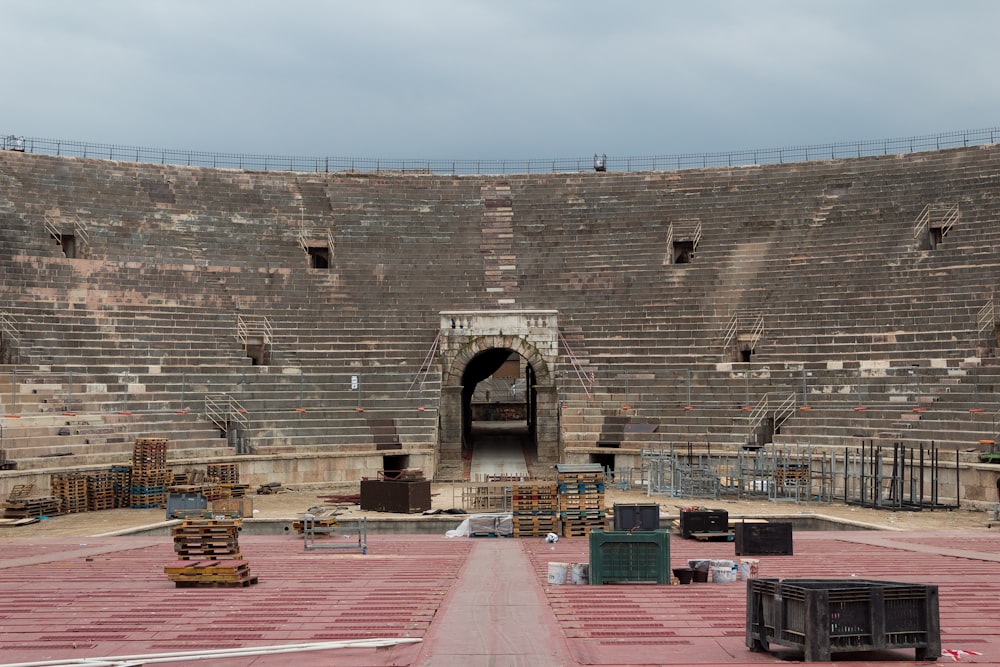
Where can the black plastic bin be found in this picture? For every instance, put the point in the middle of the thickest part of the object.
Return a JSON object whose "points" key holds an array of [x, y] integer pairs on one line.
{"points": [[637, 517], [703, 521], [826, 616], [763, 539]]}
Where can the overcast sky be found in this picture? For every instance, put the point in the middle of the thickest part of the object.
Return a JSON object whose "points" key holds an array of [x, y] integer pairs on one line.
{"points": [[477, 79]]}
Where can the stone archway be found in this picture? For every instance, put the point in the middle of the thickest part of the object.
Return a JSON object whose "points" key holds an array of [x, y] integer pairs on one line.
{"points": [[467, 337]]}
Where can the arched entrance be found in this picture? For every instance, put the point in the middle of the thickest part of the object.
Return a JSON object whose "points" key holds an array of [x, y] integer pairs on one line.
{"points": [[498, 393], [498, 415]]}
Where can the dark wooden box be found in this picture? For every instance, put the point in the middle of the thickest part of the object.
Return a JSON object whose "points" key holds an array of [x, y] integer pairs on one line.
{"points": [[763, 539], [401, 497]]}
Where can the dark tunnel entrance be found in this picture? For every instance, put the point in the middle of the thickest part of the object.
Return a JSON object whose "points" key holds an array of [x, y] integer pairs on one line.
{"points": [[499, 415]]}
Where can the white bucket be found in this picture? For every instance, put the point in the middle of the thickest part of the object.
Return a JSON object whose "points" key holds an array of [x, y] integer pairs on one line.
{"points": [[557, 573], [723, 574], [579, 573], [749, 568]]}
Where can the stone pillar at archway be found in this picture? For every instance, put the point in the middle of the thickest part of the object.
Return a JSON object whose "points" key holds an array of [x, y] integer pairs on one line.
{"points": [[450, 466], [547, 436]]}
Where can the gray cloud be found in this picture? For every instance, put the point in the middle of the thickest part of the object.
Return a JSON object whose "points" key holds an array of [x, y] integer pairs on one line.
{"points": [[494, 80]]}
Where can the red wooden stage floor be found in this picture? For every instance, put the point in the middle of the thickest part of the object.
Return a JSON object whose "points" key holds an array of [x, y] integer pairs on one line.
{"points": [[479, 601]]}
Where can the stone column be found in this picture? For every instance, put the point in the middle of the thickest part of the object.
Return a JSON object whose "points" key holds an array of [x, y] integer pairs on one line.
{"points": [[450, 467], [547, 436]]}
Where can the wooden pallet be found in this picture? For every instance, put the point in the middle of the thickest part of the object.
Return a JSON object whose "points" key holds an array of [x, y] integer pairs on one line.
{"points": [[71, 490], [20, 491], [713, 536], [579, 530], [31, 507], [223, 473], [213, 539], [535, 526], [580, 477], [228, 573]]}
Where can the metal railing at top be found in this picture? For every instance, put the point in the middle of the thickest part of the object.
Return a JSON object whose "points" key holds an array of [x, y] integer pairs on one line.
{"points": [[759, 156]]}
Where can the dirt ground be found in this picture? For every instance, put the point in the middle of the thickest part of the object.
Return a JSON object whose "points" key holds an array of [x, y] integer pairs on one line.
{"points": [[292, 502]]}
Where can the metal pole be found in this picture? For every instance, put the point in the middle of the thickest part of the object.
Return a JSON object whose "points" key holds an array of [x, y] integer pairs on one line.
{"points": [[859, 387], [746, 386]]}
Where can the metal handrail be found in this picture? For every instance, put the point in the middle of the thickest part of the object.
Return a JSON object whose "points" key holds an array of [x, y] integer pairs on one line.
{"points": [[53, 229], [426, 366], [946, 215], [757, 331], [986, 318], [80, 229], [695, 234], [585, 382], [735, 327], [253, 324], [9, 328], [756, 415], [851, 149], [223, 410], [785, 410]]}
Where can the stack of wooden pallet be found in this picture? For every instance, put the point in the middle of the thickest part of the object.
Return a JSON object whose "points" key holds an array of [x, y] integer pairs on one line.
{"points": [[27, 510], [100, 491], [149, 473], [535, 507], [234, 490], [207, 539], [209, 555], [71, 490], [122, 485], [581, 499], [211, 574], [223, 473]]}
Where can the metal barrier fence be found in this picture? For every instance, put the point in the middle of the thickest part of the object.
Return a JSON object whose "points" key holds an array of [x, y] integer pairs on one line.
{"points": [[851, 149]]}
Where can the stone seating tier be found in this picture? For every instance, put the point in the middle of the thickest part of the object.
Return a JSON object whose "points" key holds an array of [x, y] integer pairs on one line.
{"points": [[824, 251]]}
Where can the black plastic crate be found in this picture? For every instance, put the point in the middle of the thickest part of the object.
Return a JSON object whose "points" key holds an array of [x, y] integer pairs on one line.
{"points": [[704, 521], [763, 539], [637, 517], [826, 616]]}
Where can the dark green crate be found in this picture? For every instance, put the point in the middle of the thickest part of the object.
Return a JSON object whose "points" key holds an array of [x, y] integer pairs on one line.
{"points": [[624, 557]]}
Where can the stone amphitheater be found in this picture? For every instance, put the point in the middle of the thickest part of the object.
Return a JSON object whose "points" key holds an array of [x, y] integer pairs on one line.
{"points": [[323, 327]]}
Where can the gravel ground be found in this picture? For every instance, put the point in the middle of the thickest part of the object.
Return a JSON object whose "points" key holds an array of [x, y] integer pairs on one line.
{"points": [[291, 502]]}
